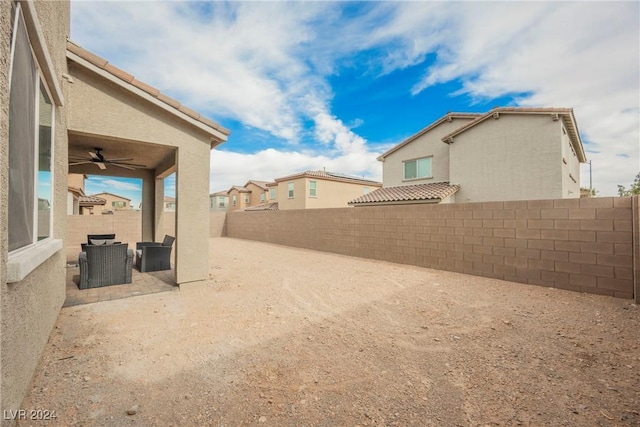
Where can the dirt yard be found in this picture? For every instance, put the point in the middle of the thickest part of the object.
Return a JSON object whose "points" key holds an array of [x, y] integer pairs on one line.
{"points": [[289, 337]]}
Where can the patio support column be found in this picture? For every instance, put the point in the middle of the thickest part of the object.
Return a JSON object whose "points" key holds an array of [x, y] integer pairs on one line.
{"points": [[192, 215], [159, 210], [148, 207]]}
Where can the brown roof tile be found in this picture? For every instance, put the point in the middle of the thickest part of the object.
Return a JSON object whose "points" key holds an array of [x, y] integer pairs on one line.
{"points": [[331, 176], [405, 193], [128, 78], [264, 207], [91, 201]]}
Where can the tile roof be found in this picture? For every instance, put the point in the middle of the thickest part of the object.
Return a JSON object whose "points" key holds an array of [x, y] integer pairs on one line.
{"points": [[264, 207], [131, 80], [239, 189], [261, 184], [91, 201], [446, 118], [220, 193], [406, 193], [331, 176]]}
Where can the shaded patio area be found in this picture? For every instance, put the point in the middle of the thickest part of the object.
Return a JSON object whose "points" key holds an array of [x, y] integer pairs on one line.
{"points": [[143, 284]]}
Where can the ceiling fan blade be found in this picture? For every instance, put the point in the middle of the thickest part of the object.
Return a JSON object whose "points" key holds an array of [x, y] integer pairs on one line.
{"points": [[123, 159], [122, 165], [101, 165], [83, 162], [94, 156]]}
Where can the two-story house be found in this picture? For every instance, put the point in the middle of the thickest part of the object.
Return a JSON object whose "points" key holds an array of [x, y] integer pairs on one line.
{"points": [[505, 154], [320, 189], [219, 201], [253, 193], [113, 203]]}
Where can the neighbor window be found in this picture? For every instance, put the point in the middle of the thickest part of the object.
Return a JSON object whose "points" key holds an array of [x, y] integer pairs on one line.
{"points": [[234, 198], [272, 193], [124, 205], [221, 202], [262, 197], [313, 187], [365, 190], [31, 118], [246, 198], [417, 168], [290, 189]]}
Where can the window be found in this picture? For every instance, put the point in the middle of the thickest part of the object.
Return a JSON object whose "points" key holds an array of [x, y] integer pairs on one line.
{"points": [[247, 198], [417, 168], [365, 190], [234, 199], [221, 202], [290, 189], [121, 205], [272, 194], [313, 189], [31, 118], [262, 197]]}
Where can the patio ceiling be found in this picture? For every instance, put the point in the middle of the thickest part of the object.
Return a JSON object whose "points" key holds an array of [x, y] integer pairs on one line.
{"points": [[152, 156]]}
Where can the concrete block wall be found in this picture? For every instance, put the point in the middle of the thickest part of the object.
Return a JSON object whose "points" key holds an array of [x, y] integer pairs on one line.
{"points": [[584, 245]]}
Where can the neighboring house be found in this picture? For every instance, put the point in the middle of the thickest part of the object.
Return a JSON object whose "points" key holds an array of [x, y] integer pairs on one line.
{"points": [[219, 201], [60, 100], [239, 198], [113, 203], [77, 202], [169, 204], [320, 189], [505, 154]]}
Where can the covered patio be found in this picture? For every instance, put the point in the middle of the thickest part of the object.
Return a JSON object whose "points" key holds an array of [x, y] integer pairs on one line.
{"points": [[123, 127]]}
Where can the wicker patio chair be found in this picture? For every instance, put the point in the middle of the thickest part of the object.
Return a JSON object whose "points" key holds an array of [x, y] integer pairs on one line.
{"points": [[154, 256], [104, 265]]}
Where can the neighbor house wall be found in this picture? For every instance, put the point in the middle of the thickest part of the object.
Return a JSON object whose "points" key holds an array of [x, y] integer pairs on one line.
{"points": [[516, 157], [575, 244], [299, 194], [334, 194], [427, 144], [29, 308]]}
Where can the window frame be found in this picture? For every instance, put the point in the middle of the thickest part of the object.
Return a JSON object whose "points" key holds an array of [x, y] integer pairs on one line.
{"points": [[222, 202], [315, 188], [291, 190], [24, 259], [416, 160], [263, 197], [272, 193], [234, 199]]}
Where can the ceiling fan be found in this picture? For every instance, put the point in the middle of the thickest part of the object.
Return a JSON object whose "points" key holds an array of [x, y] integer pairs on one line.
{"points": [[98, 159]]}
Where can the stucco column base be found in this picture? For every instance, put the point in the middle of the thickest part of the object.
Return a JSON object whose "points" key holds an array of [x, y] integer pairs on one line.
{"points": [[192, 286]]}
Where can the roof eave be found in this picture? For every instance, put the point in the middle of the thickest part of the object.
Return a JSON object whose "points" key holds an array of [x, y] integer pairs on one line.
{"points": [[219, 134]]}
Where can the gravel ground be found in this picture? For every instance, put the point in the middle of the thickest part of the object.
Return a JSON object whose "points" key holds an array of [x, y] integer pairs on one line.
{"points": [[289, 337]]}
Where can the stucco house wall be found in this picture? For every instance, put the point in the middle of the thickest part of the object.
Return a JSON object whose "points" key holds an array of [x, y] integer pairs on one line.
{"points": [[254, 196], [29, 308], [110, 199], [425, 145], [298, 200], [240, 200], [515, 157], [333, 194]]}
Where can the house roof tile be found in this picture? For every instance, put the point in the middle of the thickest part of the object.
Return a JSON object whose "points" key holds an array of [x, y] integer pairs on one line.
{"points": [[407, 193], [220, 193], [331, 176], [239, 189], [261, 184], [91, 201], [264, 207], [130, 79]]}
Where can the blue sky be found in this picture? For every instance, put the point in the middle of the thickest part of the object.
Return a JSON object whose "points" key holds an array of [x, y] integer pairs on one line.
{"points": [[307, 85]]}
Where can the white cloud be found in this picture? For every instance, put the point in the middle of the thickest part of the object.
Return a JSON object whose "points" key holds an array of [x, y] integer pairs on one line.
{"points": [[266, 64], [112, 184]]}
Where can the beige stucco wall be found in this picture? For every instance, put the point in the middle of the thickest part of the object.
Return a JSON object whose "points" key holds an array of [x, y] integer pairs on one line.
{"points": [[255, 195], [240, 203], [516, 157], [570, 168], [28, 309], [334, 194], [100, 107], [299, 194], [110, 198], [428, 144]]}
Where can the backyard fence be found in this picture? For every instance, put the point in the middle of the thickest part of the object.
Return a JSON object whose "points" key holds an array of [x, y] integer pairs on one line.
{"points": [[587, 245]]}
